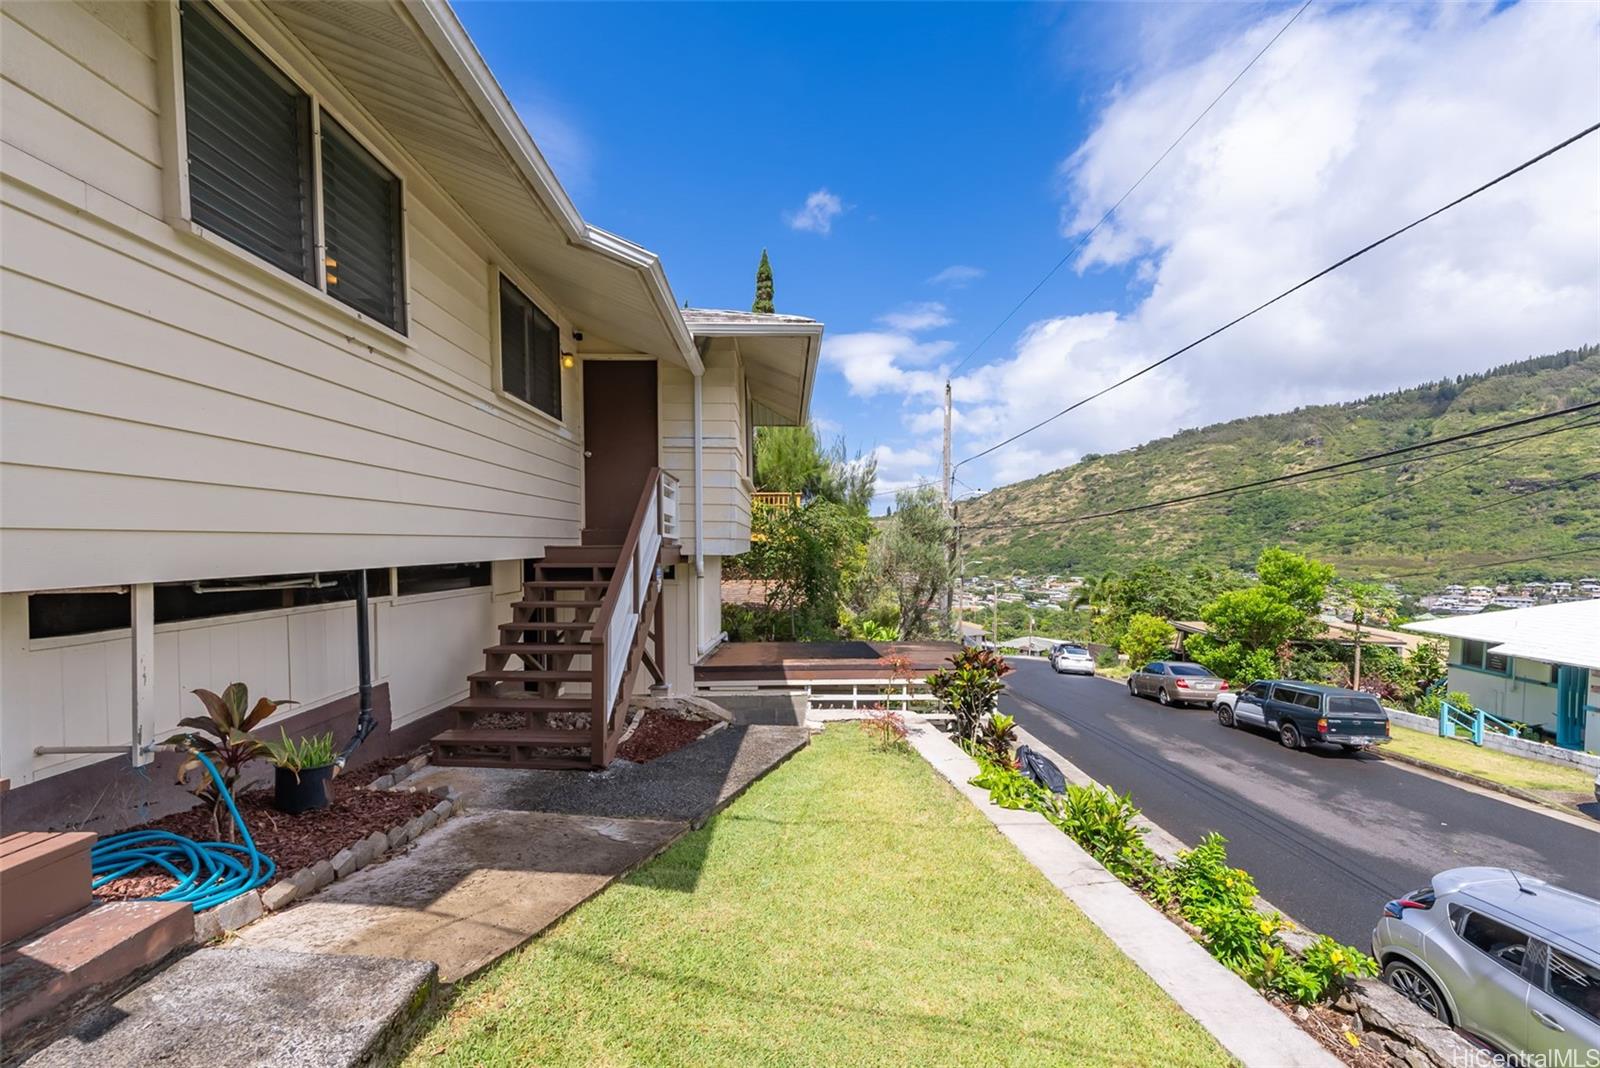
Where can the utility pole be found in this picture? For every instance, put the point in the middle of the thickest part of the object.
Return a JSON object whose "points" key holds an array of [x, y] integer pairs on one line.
{"points": [[950, 549], [997, 615]]}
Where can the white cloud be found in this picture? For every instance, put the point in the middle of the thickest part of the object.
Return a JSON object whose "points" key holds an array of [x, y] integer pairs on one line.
{"points": [[818, 213], [915, 318], [1358, 120], [875, 362], [957, 276]]}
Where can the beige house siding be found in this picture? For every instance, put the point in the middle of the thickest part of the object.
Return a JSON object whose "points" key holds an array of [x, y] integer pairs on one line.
{"points": [[723, 414], [173, 409]]}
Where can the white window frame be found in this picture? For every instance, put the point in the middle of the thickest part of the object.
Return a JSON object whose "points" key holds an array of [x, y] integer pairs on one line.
{"points": [[175, 172]]}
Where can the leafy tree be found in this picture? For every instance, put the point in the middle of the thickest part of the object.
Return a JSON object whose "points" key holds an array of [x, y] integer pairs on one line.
{"points": [[909, 557], [763, 301], [792, 459], [1146, 638], [811, 556], [1300, 581], [1258, 618]]}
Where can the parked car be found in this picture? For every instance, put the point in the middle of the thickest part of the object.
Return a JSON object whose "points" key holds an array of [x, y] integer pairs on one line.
{"points": [[1176, 682], [1303, 713], [1509, 958], [1072, 659]]}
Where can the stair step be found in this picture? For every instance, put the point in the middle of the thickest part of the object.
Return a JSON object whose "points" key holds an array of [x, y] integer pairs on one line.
{"points": [[582, 554], [522, 704], [446, 757], [566, 624], [541, 648], [98, 946], [44, 875], [543, 737], [508, 675], [596, 603], [566, 584]]}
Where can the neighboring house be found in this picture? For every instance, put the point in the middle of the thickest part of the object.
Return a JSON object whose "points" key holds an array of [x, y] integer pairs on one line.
{"points": [[1539, 666], [289, 295], [971, 633]]}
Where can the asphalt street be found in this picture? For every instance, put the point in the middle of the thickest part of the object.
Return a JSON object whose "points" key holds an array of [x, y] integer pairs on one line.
{"points": [[1328, 836]]}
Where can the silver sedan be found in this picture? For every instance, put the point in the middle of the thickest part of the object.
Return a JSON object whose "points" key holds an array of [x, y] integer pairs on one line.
{"points": [[1175, 682]]}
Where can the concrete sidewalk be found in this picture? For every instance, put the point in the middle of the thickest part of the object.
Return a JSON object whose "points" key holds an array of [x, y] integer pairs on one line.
{"points": [[332, 981], [1240, 1019]]}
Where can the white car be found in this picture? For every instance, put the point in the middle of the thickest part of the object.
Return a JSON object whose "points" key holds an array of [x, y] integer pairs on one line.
{"points": [[1068, 659]]}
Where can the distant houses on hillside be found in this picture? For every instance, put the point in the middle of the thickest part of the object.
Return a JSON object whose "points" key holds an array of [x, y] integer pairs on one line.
{"points": [[1457, 599]]}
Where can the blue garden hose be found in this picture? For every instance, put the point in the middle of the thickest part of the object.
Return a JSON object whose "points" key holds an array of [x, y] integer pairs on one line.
{"points": [[208, 873]]}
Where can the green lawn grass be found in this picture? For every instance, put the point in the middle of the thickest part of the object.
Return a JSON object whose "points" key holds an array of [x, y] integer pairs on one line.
{"points": [[851, 908], [1552, 780]]}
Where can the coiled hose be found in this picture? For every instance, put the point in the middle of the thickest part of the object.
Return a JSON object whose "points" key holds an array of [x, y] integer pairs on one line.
{"points": [[208, 873]]}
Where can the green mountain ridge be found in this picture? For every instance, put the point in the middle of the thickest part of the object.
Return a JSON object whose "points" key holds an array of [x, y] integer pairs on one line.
{"points": [[1416, 521]]}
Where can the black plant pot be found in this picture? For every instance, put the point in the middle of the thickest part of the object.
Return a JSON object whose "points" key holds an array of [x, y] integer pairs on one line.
{"points": [[313, 789]]}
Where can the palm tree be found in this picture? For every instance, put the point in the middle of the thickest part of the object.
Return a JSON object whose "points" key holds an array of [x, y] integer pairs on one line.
{"points": [[1093, 594]]}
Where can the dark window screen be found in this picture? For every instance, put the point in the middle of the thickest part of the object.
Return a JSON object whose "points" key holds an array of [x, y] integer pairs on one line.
{"points": [[530, 351], [361, 223], [249, 145]]}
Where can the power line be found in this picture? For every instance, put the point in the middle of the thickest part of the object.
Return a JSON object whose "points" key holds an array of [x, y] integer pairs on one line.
{"points": [[1062, 262], [1342, 466], [1496, 503], [1292, 289], [1590, 551], [1582, 421]]}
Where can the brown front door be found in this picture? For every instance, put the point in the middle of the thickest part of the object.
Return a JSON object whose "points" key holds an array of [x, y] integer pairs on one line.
{"points": [[619, 434]]}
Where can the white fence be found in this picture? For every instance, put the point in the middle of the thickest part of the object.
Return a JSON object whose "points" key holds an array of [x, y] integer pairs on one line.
{"points": [[1523, 747]]}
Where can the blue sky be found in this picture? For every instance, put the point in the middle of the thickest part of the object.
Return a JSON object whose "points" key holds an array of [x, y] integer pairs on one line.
{"points": [[927, 137]]}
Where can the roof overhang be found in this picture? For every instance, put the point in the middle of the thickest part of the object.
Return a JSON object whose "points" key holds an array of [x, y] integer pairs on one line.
{"points": [[411, 65], [780, 364], [1567, 633]]}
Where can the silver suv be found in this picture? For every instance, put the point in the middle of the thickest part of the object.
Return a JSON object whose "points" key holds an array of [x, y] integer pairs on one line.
{"points": [[1511, 959]]}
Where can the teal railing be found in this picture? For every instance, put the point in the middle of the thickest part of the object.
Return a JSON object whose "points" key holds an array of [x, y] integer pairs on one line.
{"points": [[1471, 721]]}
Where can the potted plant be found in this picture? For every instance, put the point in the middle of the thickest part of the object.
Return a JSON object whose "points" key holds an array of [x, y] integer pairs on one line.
{"points": [[305, 772]]}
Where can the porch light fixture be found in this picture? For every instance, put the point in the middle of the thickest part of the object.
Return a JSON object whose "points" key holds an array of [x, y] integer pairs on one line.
{"points": [[567, 360]]}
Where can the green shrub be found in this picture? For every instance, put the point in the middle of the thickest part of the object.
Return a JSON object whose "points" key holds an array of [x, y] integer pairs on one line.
{"points": [[1218, 900], [1146, 637], [997, 737], [969, 687]]}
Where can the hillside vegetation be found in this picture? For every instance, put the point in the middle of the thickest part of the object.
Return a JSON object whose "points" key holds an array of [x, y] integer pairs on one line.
{"points": [[1447, 517]]}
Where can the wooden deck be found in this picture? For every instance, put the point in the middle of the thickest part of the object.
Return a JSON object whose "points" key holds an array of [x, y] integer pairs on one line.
{"points": [[805, 661]]}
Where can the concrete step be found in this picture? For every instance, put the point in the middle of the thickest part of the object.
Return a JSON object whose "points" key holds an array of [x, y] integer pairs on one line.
{"points": [[85, 953]]}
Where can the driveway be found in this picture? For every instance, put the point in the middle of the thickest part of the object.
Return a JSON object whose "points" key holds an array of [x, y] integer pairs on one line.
{"points": [[1328, 837]]}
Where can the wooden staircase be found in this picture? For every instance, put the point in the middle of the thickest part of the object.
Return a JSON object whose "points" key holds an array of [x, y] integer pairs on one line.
{"points": [[554, 690]]}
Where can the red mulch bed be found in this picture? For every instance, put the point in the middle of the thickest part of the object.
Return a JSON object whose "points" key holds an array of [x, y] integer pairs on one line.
{"points": [[292, 842], [659, 734]]}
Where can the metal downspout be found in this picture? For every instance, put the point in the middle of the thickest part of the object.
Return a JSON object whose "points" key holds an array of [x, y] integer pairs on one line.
{"points": [[699, 472]]}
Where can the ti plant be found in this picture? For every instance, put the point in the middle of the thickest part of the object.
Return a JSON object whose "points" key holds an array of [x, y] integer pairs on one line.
{"points": [[223, 735], [969, 687]]}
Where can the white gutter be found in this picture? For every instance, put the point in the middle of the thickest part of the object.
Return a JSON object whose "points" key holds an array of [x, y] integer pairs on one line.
{"points": [[450, 40]]}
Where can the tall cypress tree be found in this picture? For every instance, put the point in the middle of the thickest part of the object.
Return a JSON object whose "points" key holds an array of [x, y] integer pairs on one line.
{"points": [[763, 286]]}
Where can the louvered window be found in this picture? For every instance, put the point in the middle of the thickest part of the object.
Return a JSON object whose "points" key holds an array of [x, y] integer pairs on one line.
{"points": [[361, 225], [530, 351], [249, 133]]}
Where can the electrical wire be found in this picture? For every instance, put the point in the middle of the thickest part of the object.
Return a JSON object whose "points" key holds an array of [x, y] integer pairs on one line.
{"points": [[1582, 421], [1496, 503], [1539, 558], [1264, 305], [1344, 467], [1084, 240]]}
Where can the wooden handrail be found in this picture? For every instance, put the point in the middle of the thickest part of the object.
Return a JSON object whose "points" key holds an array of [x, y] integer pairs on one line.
{"points": [[630, 545]]}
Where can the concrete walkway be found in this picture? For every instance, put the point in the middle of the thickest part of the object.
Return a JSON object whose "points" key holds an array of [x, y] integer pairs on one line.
{"points": [[1240, 1019], [332, 980]]}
